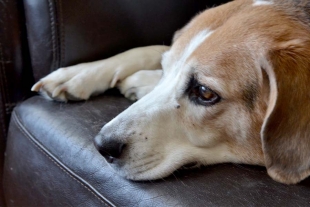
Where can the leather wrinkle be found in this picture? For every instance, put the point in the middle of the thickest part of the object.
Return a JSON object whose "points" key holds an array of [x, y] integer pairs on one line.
{"points": [[51, 157]]}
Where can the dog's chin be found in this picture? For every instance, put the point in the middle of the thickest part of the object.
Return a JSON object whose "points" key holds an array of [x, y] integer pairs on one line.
{"points": [[155, 173]]}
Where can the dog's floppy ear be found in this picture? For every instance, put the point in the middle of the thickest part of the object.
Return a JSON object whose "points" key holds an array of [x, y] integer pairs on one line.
{"points": [[286, 129]]}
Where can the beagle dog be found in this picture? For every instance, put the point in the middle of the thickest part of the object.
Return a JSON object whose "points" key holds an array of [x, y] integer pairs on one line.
{"points": [[233, 87]]}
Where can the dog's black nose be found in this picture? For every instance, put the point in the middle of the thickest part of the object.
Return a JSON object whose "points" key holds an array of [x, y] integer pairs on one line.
{"points": [[109, 148]]}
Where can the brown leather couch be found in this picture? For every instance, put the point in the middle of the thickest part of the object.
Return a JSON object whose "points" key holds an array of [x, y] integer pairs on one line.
{"points": [[50, 158]]}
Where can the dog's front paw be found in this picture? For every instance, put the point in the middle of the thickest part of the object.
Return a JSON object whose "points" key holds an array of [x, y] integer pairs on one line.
{"points": [[139, 84], [61, 89], [72, 83]]}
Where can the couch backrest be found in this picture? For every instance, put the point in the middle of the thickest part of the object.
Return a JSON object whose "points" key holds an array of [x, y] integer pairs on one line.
{"points": [[67, 32]]}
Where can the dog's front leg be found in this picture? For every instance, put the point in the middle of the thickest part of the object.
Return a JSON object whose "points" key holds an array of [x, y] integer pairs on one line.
{"points": [[80, 81], [139, 84]]}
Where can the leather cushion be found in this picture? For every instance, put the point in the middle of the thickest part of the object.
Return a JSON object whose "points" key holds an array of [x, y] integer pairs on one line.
{"points": [[51, 161]]}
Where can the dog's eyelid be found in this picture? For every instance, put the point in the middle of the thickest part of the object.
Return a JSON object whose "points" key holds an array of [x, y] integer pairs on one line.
{"points": [[213, 83], [209, 88], [193, 82]]}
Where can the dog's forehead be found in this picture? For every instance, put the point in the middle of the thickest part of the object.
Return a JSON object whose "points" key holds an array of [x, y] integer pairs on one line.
{"points": [[203, 43], [208, 53], [232, 25]]}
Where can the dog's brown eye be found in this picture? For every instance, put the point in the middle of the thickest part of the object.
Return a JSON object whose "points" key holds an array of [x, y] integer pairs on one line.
{"points": [[201, 94], [204, 96], [206, 93]]}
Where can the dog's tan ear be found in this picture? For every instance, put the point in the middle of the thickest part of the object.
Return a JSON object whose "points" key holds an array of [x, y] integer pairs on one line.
{"points": [[286, 129]]}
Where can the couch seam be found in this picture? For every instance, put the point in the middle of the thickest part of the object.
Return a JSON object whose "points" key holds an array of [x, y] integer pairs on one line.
{"points": [[49, 155], [53, 25], [62, 35], [3, 86], [2, 61]]}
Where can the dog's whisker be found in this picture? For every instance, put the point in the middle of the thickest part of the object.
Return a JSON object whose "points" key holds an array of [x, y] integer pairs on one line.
{"points": [[178, 179]]}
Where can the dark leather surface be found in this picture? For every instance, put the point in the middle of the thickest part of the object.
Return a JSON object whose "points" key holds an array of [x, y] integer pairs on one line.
{"points": [[51, 161], [63, 33]]}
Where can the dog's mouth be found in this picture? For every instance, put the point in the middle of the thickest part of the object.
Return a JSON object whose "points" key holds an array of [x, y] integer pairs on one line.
{"points": [[190, 165], [143, 167]]}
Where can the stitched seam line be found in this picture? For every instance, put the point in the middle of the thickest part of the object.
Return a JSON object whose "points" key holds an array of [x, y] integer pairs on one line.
{"points": [[7, 103], [2, 121], [53, 25], [30, 137], [2, 62], [3, 74], [62, 36], [2, 92]]}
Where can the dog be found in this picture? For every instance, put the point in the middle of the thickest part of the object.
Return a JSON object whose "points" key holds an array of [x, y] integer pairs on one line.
{"points": [[233, 87]]}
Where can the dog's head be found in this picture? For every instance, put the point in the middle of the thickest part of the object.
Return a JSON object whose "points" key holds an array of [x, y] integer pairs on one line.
{"points": [[234, 89]]}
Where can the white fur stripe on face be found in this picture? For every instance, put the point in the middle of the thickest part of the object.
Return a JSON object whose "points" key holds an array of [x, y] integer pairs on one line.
{"points": [[194, 44], [262, 2]]}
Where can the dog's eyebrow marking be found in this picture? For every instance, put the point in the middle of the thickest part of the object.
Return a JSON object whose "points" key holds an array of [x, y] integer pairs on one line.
{"points": [[194, 44], [262, 2], [250, 94]]}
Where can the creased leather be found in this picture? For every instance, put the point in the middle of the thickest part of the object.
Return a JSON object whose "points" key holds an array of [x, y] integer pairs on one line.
{"points": [[66, 132]]}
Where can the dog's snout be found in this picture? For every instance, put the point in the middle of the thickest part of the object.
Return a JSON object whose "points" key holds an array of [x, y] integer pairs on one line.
{"points": [[109, 148]]}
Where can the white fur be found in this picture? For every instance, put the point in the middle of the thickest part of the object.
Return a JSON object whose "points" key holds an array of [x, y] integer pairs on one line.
{"points": [[262, 2], [194, 44], [170, 143]]}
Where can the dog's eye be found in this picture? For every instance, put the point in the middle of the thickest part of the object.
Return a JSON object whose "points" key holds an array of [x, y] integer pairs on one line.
{"points": [[204, 96], [205, 93]]}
